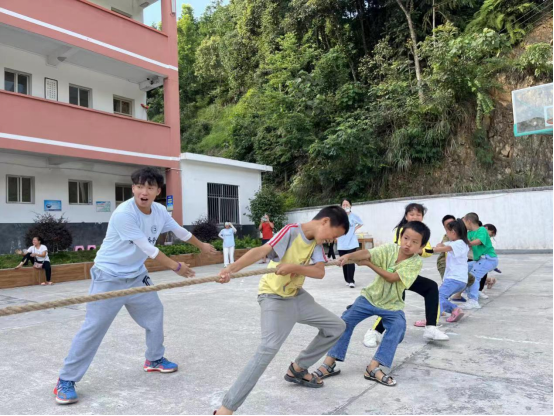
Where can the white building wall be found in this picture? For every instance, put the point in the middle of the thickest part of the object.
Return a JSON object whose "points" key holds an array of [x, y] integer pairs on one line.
{"points": [[195, 177], [51, 182], [103, 86], [523, 217]]}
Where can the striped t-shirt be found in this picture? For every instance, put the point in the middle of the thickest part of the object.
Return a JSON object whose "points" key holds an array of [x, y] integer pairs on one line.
{"points": [[290, 246]]}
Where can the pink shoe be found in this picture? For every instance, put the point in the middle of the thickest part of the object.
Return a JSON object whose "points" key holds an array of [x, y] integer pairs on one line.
{"points": [[456, 315], [421, 324]]}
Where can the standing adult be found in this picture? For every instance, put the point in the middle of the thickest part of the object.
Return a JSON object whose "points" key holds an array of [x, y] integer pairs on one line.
{"points": [[348, 243], [37, 254], [227, 234], [119, 264], [266, 227]]}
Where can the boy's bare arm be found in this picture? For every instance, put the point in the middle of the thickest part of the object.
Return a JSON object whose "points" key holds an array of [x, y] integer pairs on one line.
{"points": [[315, 271], [475, 242], [251, 257], [388, 276]]}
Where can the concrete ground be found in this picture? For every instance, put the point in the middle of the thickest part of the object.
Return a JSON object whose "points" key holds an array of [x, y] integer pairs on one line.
{"points": [[498, 359]]}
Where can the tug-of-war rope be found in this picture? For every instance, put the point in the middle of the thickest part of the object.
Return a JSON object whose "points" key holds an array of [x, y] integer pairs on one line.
{"points": [[30, 307]]}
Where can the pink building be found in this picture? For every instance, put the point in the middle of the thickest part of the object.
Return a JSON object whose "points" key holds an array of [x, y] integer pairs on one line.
{"points": [[73, 81]]}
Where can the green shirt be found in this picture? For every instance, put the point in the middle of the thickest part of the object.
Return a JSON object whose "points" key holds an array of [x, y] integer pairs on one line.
{"points": [[485, 248], [383, 294]]}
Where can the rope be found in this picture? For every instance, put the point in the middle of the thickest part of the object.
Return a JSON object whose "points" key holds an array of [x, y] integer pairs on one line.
{"points": [[14, 310]]}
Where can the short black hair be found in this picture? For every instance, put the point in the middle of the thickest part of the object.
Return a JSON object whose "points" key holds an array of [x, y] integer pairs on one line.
{"points": [[419, 228], [148, 175], [337, 216], [347, 200], [448, 217], [39, 238], [473, 218], [490, 227]]}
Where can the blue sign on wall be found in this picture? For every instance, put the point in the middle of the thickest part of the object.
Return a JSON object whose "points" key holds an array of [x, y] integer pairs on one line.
{"points": [[50, 205], [169, 202]]}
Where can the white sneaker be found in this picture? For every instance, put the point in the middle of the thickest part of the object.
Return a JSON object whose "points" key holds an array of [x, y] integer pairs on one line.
{"points": [[432, 333], [372, 338], [348, 284], [470, 304], [483, 296], [352, 285]]}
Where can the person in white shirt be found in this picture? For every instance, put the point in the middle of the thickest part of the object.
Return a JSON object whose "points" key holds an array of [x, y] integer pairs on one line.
{"points": [[130, 239], [37, 254], [455, 274], [227, 234]]}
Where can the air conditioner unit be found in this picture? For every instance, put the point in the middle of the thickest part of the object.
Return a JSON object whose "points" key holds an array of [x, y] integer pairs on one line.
{"points": [[151, 82]]}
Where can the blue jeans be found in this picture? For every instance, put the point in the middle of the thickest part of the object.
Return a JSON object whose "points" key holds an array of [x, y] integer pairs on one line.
{"points": [[478, 269], [447, 289], [395, 326]]}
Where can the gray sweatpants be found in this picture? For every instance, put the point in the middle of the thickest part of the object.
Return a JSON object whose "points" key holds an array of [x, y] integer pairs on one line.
{"points": [[145, 308], [279, 315]]}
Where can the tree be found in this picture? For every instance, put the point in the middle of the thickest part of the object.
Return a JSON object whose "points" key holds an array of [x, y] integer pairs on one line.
{"points": [[407, 9], [268, 201], [53, 232]]}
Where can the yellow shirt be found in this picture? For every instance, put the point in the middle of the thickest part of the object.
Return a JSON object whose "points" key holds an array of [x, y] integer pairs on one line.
{"points": [[290, 246]]}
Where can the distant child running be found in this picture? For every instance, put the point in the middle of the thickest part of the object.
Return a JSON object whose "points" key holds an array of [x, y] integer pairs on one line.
{"points": [[455, 275], [397, 267], [296, 252]]}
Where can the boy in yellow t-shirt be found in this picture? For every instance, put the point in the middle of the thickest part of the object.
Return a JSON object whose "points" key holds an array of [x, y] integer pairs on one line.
{"points": [[397, 267], [297, 252]]}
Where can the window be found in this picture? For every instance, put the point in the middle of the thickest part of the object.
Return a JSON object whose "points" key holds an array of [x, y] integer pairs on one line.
{"points": [[121, 12], [80, 96], [122, 106], [80, 192], [122, 193], [223, 203], [16, 81], [21, 189]]}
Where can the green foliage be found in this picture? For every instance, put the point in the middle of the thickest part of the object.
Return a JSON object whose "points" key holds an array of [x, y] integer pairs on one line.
{"points": [[53, 232], [205, 229], [511, 16], [537, 60], [8, 261], [268, 201], [483, 148], [326, 93]]}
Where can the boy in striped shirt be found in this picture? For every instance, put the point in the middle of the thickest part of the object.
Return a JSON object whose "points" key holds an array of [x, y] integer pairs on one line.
{"points": [[296, 251]]}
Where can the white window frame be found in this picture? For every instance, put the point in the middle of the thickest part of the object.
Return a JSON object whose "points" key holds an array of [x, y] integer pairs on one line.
{"points": [[78, 181], [222, 216], [131, 105], [17, 73], [79, 95], [122, 185], [20, 189]]}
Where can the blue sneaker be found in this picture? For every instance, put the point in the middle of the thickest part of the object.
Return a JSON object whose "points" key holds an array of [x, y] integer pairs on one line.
{"points": [[65, 392], [163, 365]]}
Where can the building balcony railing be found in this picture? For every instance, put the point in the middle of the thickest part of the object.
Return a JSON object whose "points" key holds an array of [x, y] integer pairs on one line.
{"points": [[37, 125], [82, 22]]}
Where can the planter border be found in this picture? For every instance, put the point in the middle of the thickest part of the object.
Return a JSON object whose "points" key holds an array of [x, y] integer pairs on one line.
{"points": [[29, 276]]}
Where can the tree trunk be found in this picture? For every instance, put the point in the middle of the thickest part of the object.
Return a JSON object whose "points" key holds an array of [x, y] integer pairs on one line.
{"points": [[434, 23], [414, 46], [361, 14]]}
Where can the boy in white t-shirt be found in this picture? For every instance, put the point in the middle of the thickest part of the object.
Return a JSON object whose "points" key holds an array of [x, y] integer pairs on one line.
{"points": [[119, 264], [455, 274]]}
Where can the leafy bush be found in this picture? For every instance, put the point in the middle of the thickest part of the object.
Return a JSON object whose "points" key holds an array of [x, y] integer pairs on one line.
{"points": [[268, 201], [537, 59], [205, 229], [52, 230]]}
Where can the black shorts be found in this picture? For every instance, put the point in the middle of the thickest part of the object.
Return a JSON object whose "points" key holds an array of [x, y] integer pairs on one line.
{"points": [[265, 240]]}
